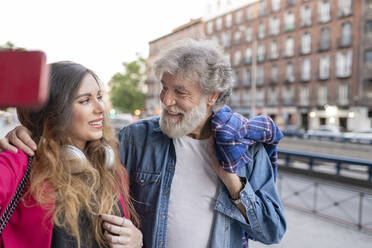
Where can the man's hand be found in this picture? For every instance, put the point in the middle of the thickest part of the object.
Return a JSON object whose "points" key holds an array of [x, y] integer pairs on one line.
{"points": [[121, 232], [19, 137]]}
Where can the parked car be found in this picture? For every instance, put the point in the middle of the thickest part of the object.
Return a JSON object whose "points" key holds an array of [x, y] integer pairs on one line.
{"points": [[293, 131], [330, 132], [363, 136]]}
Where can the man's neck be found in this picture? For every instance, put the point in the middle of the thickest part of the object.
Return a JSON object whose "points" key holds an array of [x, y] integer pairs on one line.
{"points": [[204, 130]]}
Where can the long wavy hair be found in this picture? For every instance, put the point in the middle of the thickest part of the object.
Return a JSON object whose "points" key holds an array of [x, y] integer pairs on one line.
{"points": [[65, 193]]}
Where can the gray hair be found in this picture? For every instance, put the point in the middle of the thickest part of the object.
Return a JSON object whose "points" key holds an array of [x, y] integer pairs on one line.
{"points": [[203, 62]]}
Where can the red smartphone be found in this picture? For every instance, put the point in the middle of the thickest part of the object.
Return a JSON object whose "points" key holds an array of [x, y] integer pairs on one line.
{"points": [[23, 78]]}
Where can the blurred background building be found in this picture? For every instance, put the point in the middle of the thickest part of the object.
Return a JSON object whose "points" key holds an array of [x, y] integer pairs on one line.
{"points": [[305, 63]]}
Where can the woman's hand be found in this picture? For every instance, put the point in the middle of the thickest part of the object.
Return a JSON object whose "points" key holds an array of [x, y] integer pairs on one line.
{"points": [[20, 137], [120, 232]]}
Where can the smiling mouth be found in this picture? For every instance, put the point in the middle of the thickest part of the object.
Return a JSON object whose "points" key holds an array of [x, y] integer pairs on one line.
{"points": [[96, 124], [174, 114]]}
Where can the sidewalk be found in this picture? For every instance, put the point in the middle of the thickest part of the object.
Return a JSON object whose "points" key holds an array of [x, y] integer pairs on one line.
{"points": [[310, 231]]}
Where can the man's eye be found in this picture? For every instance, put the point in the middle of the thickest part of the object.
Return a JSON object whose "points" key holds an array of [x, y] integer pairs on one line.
{"points": [[180, 92], [100, 98]]}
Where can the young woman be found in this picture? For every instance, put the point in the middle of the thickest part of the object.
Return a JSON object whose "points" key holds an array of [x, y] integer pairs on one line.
{"points": [[77, 194]]}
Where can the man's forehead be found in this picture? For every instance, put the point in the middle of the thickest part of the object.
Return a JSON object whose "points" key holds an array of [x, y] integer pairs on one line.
{"points": [[179, 80]]}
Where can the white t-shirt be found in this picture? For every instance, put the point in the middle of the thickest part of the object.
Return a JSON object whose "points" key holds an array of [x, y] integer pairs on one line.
{"points": [[193, 195]]}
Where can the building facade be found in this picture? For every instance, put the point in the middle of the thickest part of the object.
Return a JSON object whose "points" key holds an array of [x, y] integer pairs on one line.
{"points": [[305, 63]]}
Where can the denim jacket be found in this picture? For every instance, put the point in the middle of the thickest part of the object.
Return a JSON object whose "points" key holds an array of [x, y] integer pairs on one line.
{"points": [[150, 159]]}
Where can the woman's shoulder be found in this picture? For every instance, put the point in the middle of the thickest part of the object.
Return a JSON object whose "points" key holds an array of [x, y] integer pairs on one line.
{"points": [[10, 157]]}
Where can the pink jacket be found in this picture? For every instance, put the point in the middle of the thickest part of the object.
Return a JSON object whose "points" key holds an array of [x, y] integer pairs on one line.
{"points": [[28, 226]]}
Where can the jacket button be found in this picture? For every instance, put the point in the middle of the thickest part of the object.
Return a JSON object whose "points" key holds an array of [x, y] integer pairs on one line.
{"points": [[165, 191], [161, 244], [163, 216]]}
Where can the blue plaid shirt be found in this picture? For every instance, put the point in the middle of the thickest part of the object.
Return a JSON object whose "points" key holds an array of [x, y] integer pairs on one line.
{"points": [[234, 134]]}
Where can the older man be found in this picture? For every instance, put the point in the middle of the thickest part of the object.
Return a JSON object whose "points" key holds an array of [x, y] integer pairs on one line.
{"points": [[182, 194]]}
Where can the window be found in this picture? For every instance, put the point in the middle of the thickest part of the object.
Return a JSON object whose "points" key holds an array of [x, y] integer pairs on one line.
{"points": [[226, 39], [219, 23], [304, 96], [305, 16], [274, 26], [248, 34], [262, 7], [237, 58], [287, 95], [260, 98], [289, 21], [324, 67], [228, 20], [343, 94], [216, 39], [238, 16], [260, 75], [274, 51], [322, 95], [289, 47], [306, 70], [290, 3], [369, 27], [369, 58], [248, 55], [246, 98], [344, 7], [325, 39], [210, 27], [306, 43], [261, 30], [235, 99], [274, 73], [249, 13], [247, 77], [261, 52], [324, 11], [236, 78], [346, 34], [344, 62], [289, 72], [275, 5], [272, 96], [237, 36]]}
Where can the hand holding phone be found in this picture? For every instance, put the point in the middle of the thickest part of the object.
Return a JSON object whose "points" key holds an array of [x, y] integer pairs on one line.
{"points": [[23, 78]]}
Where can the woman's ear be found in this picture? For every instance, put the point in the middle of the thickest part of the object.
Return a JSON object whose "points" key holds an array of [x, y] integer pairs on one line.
{"points": [[212, 98]]}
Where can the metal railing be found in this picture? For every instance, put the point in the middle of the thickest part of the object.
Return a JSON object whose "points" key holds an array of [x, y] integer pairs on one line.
{"points": [[347, 205], [315, 159]]}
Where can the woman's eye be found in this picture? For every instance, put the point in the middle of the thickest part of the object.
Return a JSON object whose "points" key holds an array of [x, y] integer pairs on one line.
{"points": [[100, 98], [84, 101]]}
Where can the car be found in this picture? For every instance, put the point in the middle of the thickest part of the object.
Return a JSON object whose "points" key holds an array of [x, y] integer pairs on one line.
{"points": [[362, 136], [331, 132], [293, 131]]}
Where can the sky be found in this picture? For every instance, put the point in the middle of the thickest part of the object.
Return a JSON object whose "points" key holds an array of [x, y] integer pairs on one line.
{"points": [[98, 34]]}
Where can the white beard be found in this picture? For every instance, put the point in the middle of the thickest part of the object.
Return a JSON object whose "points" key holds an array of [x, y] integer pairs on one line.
{"points": [[188, 122]]}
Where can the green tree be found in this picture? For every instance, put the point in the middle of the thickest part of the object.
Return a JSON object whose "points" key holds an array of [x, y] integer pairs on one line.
{"points": [[126, 93]]}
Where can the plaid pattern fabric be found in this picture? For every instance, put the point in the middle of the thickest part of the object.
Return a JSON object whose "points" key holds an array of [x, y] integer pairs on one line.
{"points": [[234, 134]]}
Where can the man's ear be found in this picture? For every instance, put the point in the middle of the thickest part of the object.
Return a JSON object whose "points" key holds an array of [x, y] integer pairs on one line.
{"points": [[212, 98]]}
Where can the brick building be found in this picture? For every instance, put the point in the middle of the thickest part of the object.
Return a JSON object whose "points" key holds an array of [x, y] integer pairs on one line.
{"points": [[305, 63]]}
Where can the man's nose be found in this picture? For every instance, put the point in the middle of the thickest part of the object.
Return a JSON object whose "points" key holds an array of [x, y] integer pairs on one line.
{"points": [[168, 99]]}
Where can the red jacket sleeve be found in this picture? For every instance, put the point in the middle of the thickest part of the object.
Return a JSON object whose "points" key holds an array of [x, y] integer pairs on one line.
{"points": [[12, 169]]}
